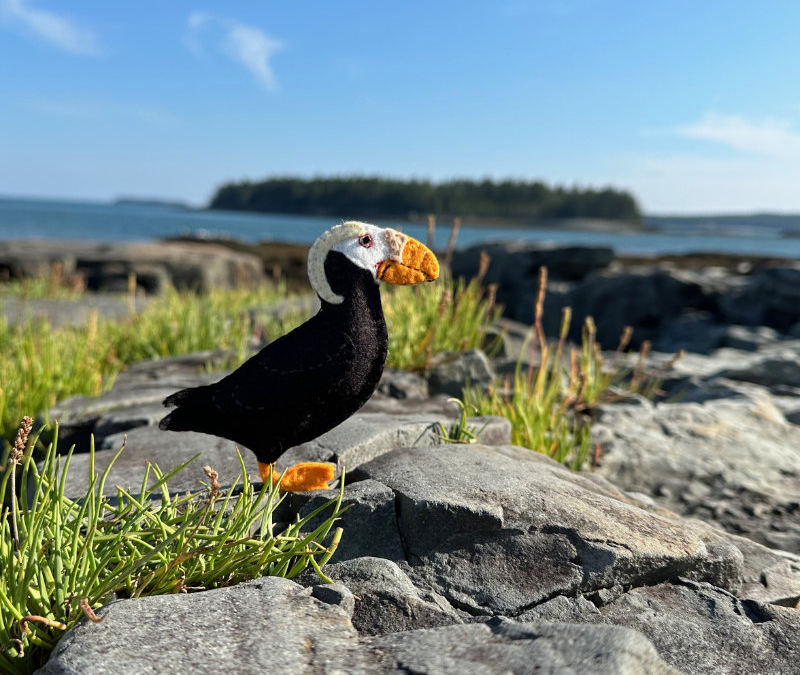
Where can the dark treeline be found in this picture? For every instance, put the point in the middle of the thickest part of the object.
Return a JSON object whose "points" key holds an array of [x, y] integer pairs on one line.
{"points": [[364, 197]]}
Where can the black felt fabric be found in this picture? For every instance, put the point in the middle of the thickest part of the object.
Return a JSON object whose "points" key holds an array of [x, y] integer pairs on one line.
{"points": [[303, 384]]}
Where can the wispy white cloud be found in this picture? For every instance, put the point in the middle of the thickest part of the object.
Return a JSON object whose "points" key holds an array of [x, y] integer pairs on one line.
{"points": [[766, 138], [691, 184], [247, 45], [57, 29], [759, 172]]}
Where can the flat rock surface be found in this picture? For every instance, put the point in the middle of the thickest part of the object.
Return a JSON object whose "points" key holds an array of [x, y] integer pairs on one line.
{"points": [[733, 462], [266, 625], [275, 626], [357, 440], [511, 647], [696, 627]]}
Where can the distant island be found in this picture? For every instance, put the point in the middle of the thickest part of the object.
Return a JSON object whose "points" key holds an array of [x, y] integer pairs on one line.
{"points": [[779, 224], [376, 197], [150, 201]]}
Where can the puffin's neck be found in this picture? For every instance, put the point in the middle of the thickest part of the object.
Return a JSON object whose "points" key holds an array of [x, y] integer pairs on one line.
{"points": [[362, 297]]}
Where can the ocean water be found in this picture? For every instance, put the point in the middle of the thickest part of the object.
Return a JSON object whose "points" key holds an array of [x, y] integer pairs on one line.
{"points": [[127, 221]]}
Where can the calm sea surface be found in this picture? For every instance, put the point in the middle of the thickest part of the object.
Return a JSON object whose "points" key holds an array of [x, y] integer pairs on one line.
{"points": [[44, 219]]}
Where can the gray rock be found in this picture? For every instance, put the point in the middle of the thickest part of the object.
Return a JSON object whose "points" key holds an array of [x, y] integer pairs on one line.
{"points": [[368, 435], [369, 523], [647, 299], [167, 449], [735, 463], [472, 519], [387, 600], [134, 400], [108, 266], [439, 405], [503, 646], [563, 609], [694, 331], [768, 371], [513, 261], [769, 575], [335, 594], [174, 370], [358, 439], [400, 384], [273, 625], [749, 338], [701, 629], [127, 418], [471, 368], [695, 627], [266, 625], [769, 298]]}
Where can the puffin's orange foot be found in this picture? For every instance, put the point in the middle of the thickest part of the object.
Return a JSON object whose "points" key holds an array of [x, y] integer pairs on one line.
{"points": [[300, 477]]}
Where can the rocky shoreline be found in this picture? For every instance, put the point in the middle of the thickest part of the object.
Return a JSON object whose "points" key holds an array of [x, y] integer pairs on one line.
{"points": [[483, 557], [678, 553]]}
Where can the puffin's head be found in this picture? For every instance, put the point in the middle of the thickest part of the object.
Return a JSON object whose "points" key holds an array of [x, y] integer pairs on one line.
{"points": [[387, 254]]}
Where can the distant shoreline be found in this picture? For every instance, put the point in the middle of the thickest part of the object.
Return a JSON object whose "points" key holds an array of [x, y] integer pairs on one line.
{"points": [[148, 221]]}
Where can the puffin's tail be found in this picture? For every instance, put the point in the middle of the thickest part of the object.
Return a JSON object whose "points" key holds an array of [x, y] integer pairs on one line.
{"points": [[178, 420], [184, 417], [182, 397]]}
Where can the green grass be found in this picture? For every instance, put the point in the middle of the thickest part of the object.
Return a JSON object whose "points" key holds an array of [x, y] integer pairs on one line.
{"points": [[432, 318], [547, 402], [62, 558], [54, 285]]}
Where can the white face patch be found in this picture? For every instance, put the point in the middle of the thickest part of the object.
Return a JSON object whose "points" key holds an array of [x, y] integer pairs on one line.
{"points": [[370, 248]]}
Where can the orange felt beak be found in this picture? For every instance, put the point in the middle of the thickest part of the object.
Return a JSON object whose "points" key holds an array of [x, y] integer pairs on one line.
{"points": [[414, 264]]}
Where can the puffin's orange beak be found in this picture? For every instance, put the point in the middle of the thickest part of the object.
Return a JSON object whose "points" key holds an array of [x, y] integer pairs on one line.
{"points": [[410, 263]]}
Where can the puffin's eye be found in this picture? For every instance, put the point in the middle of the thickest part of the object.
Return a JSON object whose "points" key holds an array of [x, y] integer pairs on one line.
{"points": [[365, 240]]}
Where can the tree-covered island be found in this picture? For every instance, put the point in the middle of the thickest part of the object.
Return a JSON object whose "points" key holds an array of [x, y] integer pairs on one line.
{"points": [[376, 197]]}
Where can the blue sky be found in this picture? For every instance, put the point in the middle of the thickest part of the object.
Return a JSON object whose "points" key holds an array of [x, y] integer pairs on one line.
{"points": [[693, 106]]}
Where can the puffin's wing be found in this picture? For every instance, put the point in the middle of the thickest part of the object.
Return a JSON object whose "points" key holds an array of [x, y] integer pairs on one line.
{"points": [[299, 366]]}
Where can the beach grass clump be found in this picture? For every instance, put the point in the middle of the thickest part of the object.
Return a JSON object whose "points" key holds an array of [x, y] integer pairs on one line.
{"points": [[40, 365], [54, 284], [448, 316], [181, 322], [548, 399], [63, 558]]}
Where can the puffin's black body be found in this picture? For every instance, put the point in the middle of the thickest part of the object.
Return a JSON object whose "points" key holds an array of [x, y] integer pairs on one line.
{"points": [[303, 384]]}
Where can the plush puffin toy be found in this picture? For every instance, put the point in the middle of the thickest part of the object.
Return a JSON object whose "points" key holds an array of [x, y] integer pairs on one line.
{"points": [[315, 377]]}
